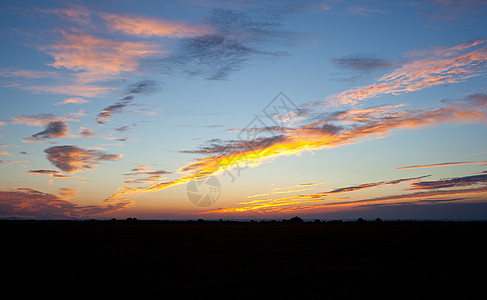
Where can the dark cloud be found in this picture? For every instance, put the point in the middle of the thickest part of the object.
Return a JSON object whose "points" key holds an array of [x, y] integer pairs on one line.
{"points": [[51, 173], [362, 63], [86, 132], [237, 36], [143, 169], [362, 186], [122, 128], [53, 130], [30, 203], [55, 127], [142, 87], [451, 182], [72, 159], [154, 176], [235, 147]]}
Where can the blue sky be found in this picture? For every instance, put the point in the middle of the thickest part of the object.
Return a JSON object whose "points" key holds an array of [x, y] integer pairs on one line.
{"points": [[113, 108]]}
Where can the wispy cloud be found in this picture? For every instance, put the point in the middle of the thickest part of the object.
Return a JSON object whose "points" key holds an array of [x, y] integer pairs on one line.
{"points": [[236, 36], [38, 120], [309, 202], [144, 170], [446, 164], [68, 193], [146, 27], [312, 183], [71, 159], [143, 87], [363, 63], [76, 89], [450, 182], [73, 13], [98, 59], [51, 173], [29, 74], [363, 11], [73, 100], [30, 203], [445, 66], [154, 176], [334, 129], [55, 127]]}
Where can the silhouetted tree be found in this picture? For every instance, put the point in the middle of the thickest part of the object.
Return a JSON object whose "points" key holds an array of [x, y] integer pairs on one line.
{"points": [[378, 220], [317, 221], [296, 220], [360, 220]]}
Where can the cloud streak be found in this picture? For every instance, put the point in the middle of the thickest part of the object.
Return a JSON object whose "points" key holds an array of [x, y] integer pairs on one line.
{"points": [[450, 183], [446, 164], [449, 65], [146, 87], [31, 203], [51, 173], [146, 27], [333, 130]]}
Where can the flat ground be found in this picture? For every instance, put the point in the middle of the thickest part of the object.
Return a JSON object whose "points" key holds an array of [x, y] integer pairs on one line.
{"points": [[243, 260]]}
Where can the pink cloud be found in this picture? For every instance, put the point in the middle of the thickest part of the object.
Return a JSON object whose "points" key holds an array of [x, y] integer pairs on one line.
{"points": [[98, 59], [30, 203], [71, 159], [444, 66], [144, 26]]}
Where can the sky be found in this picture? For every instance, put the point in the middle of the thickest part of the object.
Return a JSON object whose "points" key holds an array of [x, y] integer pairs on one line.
{"points": [[243, 109]]}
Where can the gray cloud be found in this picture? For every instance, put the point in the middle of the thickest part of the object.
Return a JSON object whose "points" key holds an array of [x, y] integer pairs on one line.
{"points": [[72, 159], [145, 87], [238, 35], [362, 63], [54, 129]]}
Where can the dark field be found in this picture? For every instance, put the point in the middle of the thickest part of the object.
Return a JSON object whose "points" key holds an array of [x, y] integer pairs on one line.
{"points": [[243, 260]]}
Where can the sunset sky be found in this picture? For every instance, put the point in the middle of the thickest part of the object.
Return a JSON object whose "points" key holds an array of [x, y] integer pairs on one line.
{"points": [[243, 109]]}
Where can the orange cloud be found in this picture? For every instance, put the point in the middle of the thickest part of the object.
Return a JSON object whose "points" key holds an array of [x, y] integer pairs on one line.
{"points": [[292, 204], [144, 26], [316, 136], [78, 89], [5, 153], [98, 59], [446, 66], [68, 193], [73, 100], [447, 164]]}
